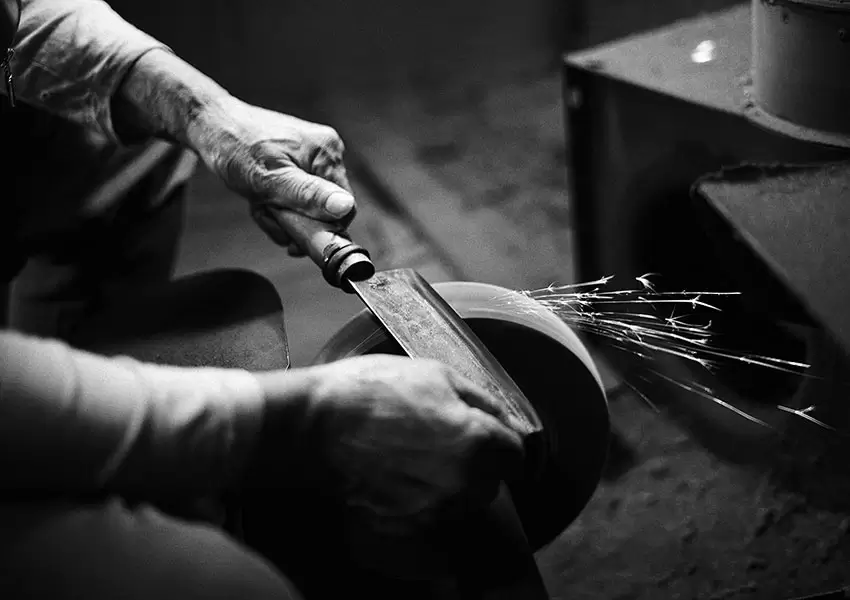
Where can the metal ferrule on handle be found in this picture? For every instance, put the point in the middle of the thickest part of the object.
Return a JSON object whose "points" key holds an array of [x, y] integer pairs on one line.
{"points": [[340, 259]]}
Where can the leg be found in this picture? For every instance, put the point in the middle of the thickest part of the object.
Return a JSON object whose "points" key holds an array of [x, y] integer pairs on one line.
{"points": [[80, 272], [115, 241], [108, 551], [225, 318]]}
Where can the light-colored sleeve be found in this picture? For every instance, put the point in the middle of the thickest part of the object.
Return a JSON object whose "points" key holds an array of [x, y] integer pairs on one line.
{"points": [[72, 55], [79, 422]]}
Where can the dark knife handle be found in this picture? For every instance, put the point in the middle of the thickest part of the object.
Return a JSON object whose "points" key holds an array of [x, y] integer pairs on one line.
{"points": [[329, 246]]}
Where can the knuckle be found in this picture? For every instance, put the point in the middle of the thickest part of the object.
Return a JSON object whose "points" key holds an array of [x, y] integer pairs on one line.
{"points": [[476, 432], [430, 365], [327, 135], [325, 164], [270, 155], [295, 188], [331, 134], [287, 197], [331, 143]]}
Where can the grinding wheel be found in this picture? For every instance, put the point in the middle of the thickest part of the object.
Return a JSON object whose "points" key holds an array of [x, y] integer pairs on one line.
{"points": [[555, 372]]}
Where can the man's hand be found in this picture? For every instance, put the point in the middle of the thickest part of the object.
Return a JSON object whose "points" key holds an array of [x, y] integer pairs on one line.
{"points": [[407, 447], [279, 162], [275, 160]]}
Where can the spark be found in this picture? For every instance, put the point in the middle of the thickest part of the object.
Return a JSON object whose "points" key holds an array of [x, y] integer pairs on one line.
{"points": [[702, 391], [804, 413], [644, 397], [660, 328], [644, 281]]}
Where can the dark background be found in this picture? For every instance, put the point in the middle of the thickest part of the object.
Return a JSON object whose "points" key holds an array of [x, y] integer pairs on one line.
{"points": [[272, 51]]}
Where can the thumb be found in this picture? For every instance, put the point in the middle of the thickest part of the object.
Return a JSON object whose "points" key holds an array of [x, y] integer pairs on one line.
{"points": [[313, 196]]}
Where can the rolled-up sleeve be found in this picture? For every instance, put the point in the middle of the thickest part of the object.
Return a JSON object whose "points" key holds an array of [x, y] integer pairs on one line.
{"points": [[72, 55], [72, 421]]}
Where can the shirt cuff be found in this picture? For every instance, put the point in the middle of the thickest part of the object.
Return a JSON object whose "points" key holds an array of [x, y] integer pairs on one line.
{"points": [[202, 426], [78, 422]]}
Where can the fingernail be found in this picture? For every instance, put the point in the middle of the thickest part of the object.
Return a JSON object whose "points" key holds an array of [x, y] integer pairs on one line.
{"points": [[339, 204]]}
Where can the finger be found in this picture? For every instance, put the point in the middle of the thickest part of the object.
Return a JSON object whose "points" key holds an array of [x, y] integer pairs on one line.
{"points": [[312, 195], [268, 223], [295, 250], [500, 455], [477, 397], [495, 455], [329, 166], [503, 450]]}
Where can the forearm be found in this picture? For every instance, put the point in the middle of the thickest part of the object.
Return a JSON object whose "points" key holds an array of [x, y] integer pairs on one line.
{"points": [[164, 96], [74, 422]]}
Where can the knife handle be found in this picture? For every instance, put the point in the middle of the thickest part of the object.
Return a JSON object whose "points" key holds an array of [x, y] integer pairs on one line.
{"points": [[329, 246]]}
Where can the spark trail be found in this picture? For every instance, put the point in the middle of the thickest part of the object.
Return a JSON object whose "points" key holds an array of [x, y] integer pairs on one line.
{"points": [[632, 320]]}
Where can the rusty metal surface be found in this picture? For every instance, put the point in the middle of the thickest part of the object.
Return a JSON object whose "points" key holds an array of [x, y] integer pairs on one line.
{"points": [[426, 326]]}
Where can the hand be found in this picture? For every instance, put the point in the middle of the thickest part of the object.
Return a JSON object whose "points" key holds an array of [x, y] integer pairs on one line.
{"points": [[406, 447], [278, 162]]}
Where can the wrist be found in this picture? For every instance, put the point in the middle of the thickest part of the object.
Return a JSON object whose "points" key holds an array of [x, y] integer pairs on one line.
{"points": [[216, 130], [279, 455], [289, 390]]}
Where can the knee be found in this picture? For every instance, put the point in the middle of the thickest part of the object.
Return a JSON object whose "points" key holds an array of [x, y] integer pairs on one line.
{"points": [[109, 552], [200, 561], [206, 564], [251, 291], [223, 318], [216, 298]]}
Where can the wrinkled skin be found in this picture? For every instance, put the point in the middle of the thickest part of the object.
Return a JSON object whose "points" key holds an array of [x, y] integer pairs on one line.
{"points": [[407, 448], [278, 161]]}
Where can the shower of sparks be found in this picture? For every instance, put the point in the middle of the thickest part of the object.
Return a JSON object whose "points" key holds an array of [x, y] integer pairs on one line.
{"points": [[591, 308]]}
